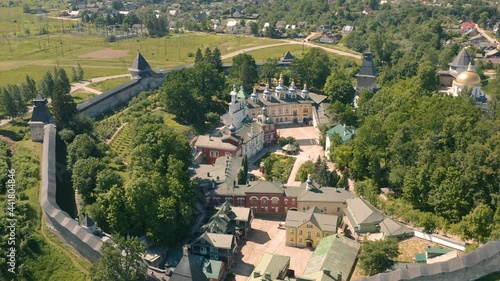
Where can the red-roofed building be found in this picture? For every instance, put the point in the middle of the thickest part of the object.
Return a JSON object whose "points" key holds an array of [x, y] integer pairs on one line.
{"points": [[468, 26]]}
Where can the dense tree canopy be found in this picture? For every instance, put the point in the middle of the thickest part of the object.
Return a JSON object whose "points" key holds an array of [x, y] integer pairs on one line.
{"points": [[313, 69], [377, 255]]}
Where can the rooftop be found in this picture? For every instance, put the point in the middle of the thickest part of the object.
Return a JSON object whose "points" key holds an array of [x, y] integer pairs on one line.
{"points": [[269, 264], [322, 221]]}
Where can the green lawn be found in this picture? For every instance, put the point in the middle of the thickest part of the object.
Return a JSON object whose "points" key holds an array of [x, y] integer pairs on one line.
{"points": [[81, 95], [106, 85], [278, 167], [16, 129]]}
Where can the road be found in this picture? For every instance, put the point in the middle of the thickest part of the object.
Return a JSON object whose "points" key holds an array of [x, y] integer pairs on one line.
{"points": [[291, 42], [489, 38]]}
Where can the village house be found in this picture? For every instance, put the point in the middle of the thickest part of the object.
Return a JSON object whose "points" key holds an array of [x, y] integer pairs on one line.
{"points": [[307, 228], [230, 220], [216, 246], [197, 268], [270, 267], [340, 131]]}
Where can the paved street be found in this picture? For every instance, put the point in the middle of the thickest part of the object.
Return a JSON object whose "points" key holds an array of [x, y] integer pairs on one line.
{"points": [[267, 237]]}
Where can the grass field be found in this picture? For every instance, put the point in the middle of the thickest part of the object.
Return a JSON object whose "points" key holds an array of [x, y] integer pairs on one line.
{"points": [[103, 86], [16, 129], [81, 95]]}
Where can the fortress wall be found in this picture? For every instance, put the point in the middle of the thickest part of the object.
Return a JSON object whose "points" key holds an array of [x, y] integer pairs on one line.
{"points": [[86, 243]]}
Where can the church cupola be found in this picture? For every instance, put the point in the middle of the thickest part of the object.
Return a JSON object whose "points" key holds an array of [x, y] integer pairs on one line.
{"points": [[267, 93], [233, 94], [254, 95], [305, 92], [280, 90], [292, 91]]}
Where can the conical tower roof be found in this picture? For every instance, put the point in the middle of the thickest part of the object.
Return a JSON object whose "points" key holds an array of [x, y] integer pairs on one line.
{"points": [[463, 59], [139, 66]]}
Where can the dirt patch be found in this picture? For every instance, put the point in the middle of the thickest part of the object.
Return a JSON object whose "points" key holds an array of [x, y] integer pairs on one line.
{"points": [[107, 53], [9, 142]]}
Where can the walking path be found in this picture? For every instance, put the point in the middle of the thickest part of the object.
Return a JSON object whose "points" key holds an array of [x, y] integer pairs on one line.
{"points": [[83, 84], [488, 37]]}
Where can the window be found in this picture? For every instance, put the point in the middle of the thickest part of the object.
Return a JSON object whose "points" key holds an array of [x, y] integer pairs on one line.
{"points": [[202, 241], [300, 232], [291, 239], [309, 235], [214, 257], [253, 201], [309, 226], [228, 154], [213, 249], [214, 153], [293, 201], [276, 209], [303, 208], [292, 230], [203, 250], [300, 239], [275, 200], [264, 201], [317, 234], [286, 201], [338, 209], [265, 209]]}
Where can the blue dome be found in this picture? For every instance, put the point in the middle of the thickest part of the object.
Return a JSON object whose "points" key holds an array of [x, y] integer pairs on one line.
{"points": [[266, 91], [232, 128]]}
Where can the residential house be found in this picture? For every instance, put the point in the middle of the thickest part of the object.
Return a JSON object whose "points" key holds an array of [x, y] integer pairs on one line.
{"points": [[467, 26], [306, 229], [386, 193], [230, 220], [360, 217], [347, 29], [333, 259], [216, 246], [270, 267], [340, 131], [328, 200], [329, 38], [391, 228], [367, 11], [197, 268], [280, 24], [476, 40]]}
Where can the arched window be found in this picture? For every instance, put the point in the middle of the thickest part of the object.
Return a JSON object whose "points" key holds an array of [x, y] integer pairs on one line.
{"points": [[253, 201], [275, 200], [264, 201]]}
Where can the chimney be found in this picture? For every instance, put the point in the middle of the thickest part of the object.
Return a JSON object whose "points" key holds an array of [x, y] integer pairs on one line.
{"points": [[326, 271], [339, 276], [208, 174], [185, 250], [256, 274]]}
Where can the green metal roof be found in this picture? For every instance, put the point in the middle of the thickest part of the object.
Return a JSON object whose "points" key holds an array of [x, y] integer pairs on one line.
{"points": [[335, 252], [344, 132], [438, 251], [420, 258]]}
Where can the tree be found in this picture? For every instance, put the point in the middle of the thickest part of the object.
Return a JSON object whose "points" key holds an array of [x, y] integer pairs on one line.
{"points": [[157, 26], [198, 57], [268, 70], [339, 88], [313, 69], [63, 107], [28, 88], [254, 28], [216, 59], [84, 177], [74, 75], [47, 84], [428, 222], [122, 261], [376, 256], [79, 71], [245, 69], [477, 224], [83, 146], [11, 101], [117, 5], [427, 78]]}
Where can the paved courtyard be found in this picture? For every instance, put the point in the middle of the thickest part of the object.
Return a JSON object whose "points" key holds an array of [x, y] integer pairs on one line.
{"points": [[267, 237], [308, 139]]}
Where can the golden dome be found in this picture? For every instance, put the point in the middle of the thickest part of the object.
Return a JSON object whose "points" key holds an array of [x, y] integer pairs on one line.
{"points": [[468, 78]]}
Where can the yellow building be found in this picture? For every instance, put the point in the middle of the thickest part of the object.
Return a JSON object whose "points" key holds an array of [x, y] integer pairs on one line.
{"points": [[306, 229]]}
